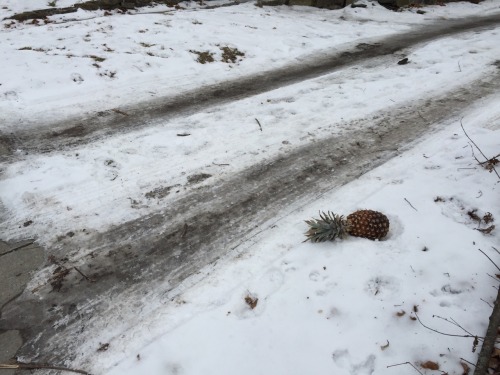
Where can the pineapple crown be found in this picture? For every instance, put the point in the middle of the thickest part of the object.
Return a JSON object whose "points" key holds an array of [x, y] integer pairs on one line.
{"points": [[327, 228]]}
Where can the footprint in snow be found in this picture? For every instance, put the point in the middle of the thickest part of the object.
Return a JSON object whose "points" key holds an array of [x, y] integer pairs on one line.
{"points": [[77, 78], [343, 359]]}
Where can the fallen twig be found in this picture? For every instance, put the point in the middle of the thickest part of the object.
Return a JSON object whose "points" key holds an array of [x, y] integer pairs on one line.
{"points": [[452, 321], [84, 276], [443, 333], [116, 110], [489, 304], [407, 363], [220, 165], [470, 363], [475, 145], [260, 126], [498, 268], [38, 366], [410, 204]]}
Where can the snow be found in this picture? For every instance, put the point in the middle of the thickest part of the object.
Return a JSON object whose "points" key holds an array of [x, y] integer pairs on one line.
{"points": [[333, 307], [136, 57], [346, 307]]}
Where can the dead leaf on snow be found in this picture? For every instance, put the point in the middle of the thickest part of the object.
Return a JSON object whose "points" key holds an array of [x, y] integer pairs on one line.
{"points": [[465, 367], [487, 230], [488, 218], [383, 347], [251, 301], [103, 347], [429, 365], [400, 313], [475, 344]]}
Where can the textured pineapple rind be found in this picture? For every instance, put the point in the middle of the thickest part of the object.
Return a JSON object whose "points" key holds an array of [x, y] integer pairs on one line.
{"points": [[369, 224]]}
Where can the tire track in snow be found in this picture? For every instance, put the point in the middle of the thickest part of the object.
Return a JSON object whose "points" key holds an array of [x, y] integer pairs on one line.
{"points": [[150, 257], [38, 137]]}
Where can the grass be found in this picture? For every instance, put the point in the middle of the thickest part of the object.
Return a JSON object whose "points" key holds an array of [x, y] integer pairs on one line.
{"points": [[97, 58], [230, 55], [204, 56]]}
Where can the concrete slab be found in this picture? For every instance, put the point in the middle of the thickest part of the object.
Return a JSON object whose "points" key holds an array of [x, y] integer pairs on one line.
{"points": [[10, 341], [17, 262]]}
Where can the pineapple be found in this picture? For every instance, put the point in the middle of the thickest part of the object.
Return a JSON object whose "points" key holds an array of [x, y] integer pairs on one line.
{"points": [[362, 223]]}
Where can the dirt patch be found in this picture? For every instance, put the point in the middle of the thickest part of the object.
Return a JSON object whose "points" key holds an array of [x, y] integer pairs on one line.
{"points": [[160, 192], [75, 131], [197, 178], [231, 55], [203, 56]]}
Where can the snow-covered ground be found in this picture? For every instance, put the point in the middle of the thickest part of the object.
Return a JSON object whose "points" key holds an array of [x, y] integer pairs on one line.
{"points": [[136, 57], [343, 308]]}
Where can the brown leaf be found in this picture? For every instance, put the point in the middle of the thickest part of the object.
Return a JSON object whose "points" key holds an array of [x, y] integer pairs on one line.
{"points": [[496, 353], [103, 347], [475, 344], [472, 214], [251, 301], [488, 218], [487, 230], [383, 347], [400, 313], [465, 367], [429, 365], [415, 308]]}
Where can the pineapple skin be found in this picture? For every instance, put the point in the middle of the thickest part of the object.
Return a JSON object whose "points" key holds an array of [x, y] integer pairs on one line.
{"points": [[369, 224]]}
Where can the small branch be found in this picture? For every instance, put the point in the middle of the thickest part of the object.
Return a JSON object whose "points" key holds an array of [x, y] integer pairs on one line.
{"points": [[487, 159], [452, 321], [407, 363], [38, 366], [494, 248], [494, 157], [443, 333], [459, 67], [494, 278], [470, 139], [84, 276], [466, 361], [220, 165], [116, 110], [410, 204], [260, 126], [498, 268], [489, 304]]}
